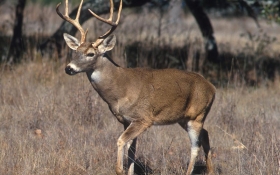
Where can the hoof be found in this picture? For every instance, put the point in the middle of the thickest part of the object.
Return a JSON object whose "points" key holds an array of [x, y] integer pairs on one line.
{"points": [[119, 171]]}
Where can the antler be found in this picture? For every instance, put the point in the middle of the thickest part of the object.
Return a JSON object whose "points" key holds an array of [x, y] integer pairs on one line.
{"points": [[108, 21], [75, 21]]}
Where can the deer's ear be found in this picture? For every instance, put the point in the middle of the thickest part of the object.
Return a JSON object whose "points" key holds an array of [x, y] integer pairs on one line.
{"points": [[71, 41], [108, 44]]}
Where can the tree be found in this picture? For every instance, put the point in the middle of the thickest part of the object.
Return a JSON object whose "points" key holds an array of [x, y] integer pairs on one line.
{"points": [[206, 29], [16, 47]]}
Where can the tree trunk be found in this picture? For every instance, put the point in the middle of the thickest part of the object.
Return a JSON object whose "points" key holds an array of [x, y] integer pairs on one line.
{"points": [[206, 29], [16, 48], [97, 6]]}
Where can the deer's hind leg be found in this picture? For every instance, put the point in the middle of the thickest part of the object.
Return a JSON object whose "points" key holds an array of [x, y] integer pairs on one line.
{"points": [[198, 137], [204, 140], [193, 128]]}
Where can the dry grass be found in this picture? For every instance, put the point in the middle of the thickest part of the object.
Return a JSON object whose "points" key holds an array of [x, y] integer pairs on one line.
{"points": [[52, 123]]}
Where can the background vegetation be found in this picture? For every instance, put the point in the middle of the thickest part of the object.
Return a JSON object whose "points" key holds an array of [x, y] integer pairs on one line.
{"points": [[52, 123]]}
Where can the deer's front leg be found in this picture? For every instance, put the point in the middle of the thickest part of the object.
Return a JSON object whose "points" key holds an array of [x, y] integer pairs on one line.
{"points": [[133, 130], [131, 147], [131, 150]]}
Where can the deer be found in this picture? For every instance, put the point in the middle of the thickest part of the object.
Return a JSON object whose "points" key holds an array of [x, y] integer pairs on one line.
{"points": [[141, 97]]}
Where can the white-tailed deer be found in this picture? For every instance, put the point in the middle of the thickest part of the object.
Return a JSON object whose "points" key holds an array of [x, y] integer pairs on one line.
{"points": [[139, 97]]}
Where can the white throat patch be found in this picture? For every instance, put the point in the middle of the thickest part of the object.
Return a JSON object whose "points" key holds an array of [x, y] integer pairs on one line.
{"points": [[95, 76]]}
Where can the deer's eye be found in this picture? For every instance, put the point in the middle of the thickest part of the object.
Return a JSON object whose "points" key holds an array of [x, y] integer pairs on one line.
{"points": [[90, 54]]}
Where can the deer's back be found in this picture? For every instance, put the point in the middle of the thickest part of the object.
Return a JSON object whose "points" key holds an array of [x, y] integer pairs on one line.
{"points": [[167, 94]]}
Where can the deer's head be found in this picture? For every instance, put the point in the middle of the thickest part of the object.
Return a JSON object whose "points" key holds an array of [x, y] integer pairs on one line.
{"points": [[87, 53]]}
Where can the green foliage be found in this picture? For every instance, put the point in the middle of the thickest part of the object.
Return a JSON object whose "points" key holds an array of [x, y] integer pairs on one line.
{"points": [[271, 13]]}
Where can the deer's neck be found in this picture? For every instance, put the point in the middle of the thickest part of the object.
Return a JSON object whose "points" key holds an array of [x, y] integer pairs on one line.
{"points": [[103, 69], [105, 78]]}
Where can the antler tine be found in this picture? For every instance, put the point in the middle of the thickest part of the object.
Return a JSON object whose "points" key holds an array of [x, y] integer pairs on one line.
{"points": [[79, 11], [107, 21], [75, 21], [111, 10], [119, 13]]}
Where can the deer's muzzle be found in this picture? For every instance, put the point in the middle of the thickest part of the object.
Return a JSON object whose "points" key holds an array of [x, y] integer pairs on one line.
{"points": [[69, 70]]}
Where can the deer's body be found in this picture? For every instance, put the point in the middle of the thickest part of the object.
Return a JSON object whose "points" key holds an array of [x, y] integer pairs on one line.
{"points": [[139, 97], [156, 96]]}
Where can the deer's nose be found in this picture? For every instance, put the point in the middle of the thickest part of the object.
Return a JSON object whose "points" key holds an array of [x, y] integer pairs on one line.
{"points": [[69, 70]]}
